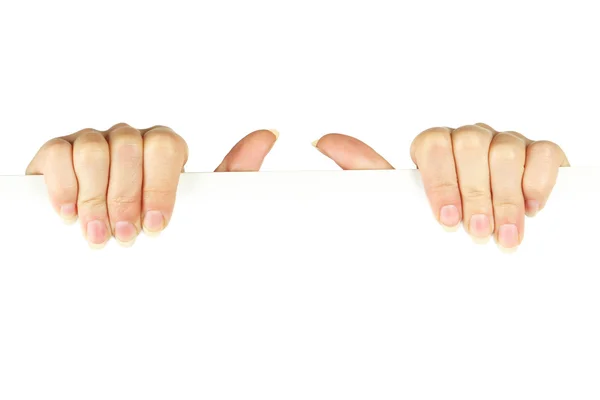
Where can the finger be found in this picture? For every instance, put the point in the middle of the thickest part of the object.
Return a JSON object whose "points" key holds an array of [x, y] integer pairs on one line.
{"points": [[432, 153], [91, 160], [249, 153], [507, 163], [144, 131], [55, 161], [517, 134], [486, 126], [350, 153], [471, 144], [124, 199], [541, 171], [165, 154]]}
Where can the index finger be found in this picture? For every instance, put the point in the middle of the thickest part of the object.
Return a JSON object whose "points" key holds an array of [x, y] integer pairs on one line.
{"points": [[432, 153]]}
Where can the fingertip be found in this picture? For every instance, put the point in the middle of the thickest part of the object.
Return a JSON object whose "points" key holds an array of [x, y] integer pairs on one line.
{"points": [[507, 250], [97, 233], [125, 244], [95, 246], [480, 240], [532, 207], [151, 233], [350, 153], [125, 233], [154, 223], [450, 218], [451, 228], [68, 213], [249, 153]]}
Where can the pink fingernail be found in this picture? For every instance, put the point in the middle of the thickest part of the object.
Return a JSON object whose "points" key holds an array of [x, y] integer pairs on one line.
{"points": [[508, 236], [125, 232], [153, 221], [479, 225], [449, 216], [96, 232]]}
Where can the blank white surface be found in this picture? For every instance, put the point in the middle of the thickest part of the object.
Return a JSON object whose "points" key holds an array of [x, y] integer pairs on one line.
{"points": [[301, 285]]}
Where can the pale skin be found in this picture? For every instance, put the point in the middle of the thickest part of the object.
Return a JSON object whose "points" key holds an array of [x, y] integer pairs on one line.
{"points": [[123, 180]]}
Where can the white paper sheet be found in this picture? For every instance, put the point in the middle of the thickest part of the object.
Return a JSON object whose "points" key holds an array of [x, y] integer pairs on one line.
{"points": [[301, 285]]}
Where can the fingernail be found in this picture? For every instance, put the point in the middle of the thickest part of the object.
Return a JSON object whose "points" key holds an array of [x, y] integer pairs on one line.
{"points": [[275, 132], [68, 214], [314, 143], [532, 207], [508, 237], [479, 226], [450, 218], [96, 234], [125, 233], [153, 223]]}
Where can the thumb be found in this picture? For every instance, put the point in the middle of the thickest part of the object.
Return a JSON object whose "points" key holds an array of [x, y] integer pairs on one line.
{"points": [[249, 153]]}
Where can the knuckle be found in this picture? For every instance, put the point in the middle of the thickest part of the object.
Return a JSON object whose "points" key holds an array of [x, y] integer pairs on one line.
{"points": [[123, 132], [516, 135], [159, 127], [432, 138], [158, 195], [544, 149], [90, 137], [435, 136], [85, 131], [508, 205], [437, 188], [56, 147], [475, 194], [471, 137], [98, 201], [124, 200], [485, 126], [118, 126], [124, 204], [126, 147], [91, 148], [164, 141], [506, 148]]}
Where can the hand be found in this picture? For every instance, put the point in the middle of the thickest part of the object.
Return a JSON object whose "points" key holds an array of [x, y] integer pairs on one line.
{"points": [[489, 180], [123, 180]]}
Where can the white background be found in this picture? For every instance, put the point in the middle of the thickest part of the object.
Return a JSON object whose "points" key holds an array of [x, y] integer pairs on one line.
{"points": [[381, 71]]}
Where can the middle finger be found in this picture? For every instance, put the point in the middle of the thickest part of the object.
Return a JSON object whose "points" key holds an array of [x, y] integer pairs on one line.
{"points": [[124, 197], [471, 145]]}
